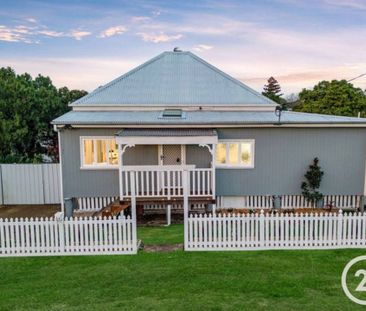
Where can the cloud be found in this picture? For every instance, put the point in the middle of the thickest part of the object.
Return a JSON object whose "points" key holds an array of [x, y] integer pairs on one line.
{"points": [[158, 37], [113, 31], [79, 34], [202, 47], [31, 20], [354, 4], [15, 34], [140, 19], [51, 33]]}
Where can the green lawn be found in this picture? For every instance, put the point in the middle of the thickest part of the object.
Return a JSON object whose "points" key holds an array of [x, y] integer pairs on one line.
{"points": [[161, 235], [267, 280]]}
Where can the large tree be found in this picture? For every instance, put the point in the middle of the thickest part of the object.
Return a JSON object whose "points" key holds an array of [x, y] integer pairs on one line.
{"points": [[272, 90], [333, 97], [27, 106]]}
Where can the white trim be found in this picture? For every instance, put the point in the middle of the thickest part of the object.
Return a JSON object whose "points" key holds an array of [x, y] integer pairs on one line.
{"points": [[262, 107], [237, 166], [166, 140], [96, 166], [299, 125], [61, 178]]}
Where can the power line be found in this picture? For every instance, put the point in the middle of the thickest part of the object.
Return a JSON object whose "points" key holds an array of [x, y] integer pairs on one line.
{"points": [[361, 75]]}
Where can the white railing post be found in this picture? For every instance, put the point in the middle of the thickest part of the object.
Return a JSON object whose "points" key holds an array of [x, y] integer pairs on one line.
{"points": [[185, 181], [213, 167], [340, 228], [133, 210]]}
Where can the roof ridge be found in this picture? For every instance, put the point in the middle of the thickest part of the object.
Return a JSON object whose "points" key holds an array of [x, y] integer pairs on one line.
{"points": [[114, 81], [232, 79]]}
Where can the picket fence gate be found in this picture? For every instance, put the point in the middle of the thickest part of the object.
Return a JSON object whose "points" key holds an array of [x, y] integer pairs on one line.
{"points": [[74, 236], [275, 231]]}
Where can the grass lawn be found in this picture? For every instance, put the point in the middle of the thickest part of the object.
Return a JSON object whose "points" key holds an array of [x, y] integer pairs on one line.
{"points": [[266, 280]]}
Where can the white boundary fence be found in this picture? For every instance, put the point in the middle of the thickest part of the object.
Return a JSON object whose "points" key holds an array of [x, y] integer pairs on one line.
{"points": [[74, 236], [30, 184], [287, 201], [276, 231]]}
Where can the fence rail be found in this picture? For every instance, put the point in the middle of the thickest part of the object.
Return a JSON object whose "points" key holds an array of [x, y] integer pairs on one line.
{"points": [[276, 231], [74, 236]]}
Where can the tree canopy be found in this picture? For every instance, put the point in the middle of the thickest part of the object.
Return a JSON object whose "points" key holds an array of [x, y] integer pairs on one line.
{"points": [[337, 97], [27, 106]]}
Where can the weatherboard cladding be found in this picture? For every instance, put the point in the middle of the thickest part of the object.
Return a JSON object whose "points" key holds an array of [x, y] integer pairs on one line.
{"points": [[199, 118], [282, 156], [174, 79]]}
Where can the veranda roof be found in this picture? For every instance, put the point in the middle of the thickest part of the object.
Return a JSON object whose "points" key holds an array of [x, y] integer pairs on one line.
{"points": [[166, 136]]}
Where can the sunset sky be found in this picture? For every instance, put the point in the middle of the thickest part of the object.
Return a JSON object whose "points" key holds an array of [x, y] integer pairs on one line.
{"points": [[84, 44]]}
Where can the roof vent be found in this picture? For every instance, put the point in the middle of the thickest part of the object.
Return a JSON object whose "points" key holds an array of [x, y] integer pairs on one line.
{"points": [[177, 49], [172, 113]]}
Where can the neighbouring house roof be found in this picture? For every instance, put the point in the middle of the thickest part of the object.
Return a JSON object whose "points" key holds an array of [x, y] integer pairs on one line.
{"points": [[174, 79], [214, 118], [169, 132]]}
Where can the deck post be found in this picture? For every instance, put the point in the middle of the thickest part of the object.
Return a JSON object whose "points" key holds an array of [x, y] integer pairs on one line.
{"points": [[168, 215], [133, 210], [185, 204]]}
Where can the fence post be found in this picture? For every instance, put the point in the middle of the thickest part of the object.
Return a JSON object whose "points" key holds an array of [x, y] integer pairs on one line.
{"points": [[185, 205], [261, 228], [133, 209], [61, 234], [340, 228]]}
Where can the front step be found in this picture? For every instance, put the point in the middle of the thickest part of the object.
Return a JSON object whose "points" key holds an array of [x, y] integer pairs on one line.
{"points": [[112, 209]]}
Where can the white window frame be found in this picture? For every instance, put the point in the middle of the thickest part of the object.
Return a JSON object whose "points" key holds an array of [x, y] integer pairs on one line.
{"points": [[238, 141], [96, 166]]}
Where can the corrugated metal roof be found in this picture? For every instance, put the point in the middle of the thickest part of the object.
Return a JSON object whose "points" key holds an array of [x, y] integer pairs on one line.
{"points": [[166, 132], [174, 79], [199, 118]]}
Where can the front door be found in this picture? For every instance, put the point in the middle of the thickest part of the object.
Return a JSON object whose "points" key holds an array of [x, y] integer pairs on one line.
{"points": [[172, 155]]}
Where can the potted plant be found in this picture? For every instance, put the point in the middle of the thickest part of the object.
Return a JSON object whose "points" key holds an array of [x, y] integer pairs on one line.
{"points": [[310, 187]]}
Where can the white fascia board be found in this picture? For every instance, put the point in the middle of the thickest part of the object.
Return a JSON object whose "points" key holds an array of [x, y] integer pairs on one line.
{"points": [[166, 140], [264, 107]]}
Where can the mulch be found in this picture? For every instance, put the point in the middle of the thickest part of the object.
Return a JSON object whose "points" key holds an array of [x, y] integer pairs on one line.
{"points": [[162, 248], [22, 211]]}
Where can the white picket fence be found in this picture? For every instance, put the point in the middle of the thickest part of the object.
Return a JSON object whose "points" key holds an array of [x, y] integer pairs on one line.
{"points": [[94, 203], [276, 231], [74, 236], [287, 201]]}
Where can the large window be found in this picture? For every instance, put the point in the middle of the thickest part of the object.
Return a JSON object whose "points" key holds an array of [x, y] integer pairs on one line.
{"points": [[235, 154], [99, 152]]}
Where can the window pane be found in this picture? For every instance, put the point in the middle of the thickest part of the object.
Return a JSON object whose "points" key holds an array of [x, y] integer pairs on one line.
{"points": [[113, 152], [221, 153], [246, 154], [88, 151], [233, 153], [101, 150]]}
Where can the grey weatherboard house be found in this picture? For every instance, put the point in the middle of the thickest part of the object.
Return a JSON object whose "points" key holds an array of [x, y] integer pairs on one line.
{"points": [[136, 136]]}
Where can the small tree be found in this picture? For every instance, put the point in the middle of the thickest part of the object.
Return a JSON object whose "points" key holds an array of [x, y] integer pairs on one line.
{"points": [[311, 185], [272, 90]]}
